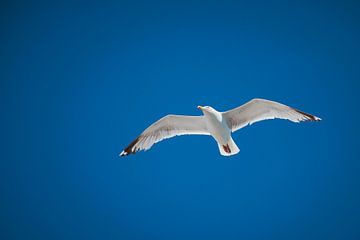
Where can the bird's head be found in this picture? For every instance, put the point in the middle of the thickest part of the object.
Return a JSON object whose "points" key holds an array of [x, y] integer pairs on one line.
{"points": [[207, 109]]}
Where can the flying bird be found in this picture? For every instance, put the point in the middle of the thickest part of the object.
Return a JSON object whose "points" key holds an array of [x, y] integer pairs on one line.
{"points": [[219, 125]]}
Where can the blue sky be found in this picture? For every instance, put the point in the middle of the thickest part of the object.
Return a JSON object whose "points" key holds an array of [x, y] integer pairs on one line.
{"points": [[79, 81]]}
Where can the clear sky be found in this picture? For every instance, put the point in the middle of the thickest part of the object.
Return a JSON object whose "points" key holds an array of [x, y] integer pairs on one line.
{"points": [[79, 81]]}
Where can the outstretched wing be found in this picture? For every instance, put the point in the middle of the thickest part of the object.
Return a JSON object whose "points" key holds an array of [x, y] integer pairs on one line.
{"points": [[260, 109], [167, 127]]}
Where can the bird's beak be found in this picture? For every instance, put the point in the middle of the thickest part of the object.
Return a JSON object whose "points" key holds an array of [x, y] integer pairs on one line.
{"points": [[200, 107]]}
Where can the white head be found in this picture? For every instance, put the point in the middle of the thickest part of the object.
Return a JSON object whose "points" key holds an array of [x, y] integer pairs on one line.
{"points": [[207, 110]]}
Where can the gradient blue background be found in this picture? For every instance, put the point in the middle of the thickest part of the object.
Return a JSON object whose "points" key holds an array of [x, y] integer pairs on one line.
{"points": [[79, 81]]}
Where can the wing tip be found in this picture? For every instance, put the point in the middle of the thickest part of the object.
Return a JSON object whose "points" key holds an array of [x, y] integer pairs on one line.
{"points": [[123, 153], [130, 149], [308, 117]]}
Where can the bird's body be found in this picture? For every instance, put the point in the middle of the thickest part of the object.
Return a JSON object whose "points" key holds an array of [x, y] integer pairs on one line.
{"points": [[220, 131], [219, 125]]}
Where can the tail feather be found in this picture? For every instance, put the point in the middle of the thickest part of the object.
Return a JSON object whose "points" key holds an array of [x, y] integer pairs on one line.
{"points": [[229, 148]]}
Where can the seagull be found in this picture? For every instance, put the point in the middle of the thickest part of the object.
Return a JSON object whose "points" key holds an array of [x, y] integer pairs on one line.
{"points": [[219, 125]]}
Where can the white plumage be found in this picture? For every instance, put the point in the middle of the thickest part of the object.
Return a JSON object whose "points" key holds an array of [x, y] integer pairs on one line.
{"points": [[217, 124]]}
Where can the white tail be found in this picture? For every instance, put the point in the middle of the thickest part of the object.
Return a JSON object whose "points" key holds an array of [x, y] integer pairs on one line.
{"points": [[229, 148]]}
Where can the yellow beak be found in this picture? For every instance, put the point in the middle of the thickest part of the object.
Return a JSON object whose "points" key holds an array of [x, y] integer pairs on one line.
{"points": [[200, 107]]}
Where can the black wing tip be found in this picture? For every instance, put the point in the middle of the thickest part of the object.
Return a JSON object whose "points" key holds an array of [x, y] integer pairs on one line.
{"points": [[130, 149], [123, 154], [308, 116]]}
